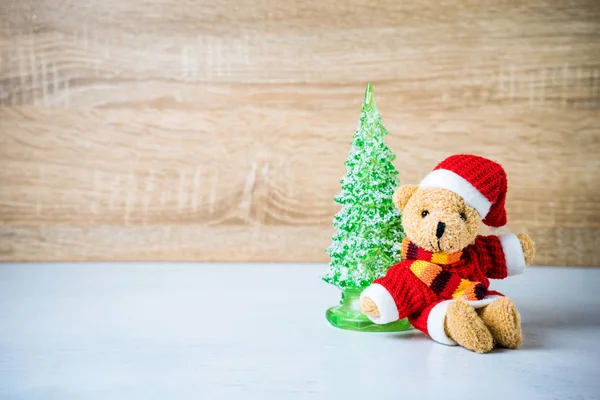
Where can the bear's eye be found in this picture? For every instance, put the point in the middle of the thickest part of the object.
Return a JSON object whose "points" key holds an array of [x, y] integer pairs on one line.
{"points": [[463, 216], [424, 213]]}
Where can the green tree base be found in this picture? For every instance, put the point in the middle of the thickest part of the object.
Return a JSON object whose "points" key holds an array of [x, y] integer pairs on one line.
{"points": [[347, 316]]}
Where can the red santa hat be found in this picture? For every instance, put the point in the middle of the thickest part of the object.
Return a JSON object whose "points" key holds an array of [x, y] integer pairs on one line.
{"points": [[480, 182]]}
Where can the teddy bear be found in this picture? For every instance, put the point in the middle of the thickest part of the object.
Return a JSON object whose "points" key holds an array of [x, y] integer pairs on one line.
{"points": [[442, 282]]}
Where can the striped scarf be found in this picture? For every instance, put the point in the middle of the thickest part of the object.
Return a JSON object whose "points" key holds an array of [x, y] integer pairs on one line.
{"points": [[426, 266]]}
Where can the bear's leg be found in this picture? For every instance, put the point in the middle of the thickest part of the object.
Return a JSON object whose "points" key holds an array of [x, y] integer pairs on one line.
{"points": [[430, 321], [464, 326], [504, 322]]}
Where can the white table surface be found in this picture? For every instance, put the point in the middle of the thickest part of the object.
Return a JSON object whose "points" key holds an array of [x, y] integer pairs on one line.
{"points": [[258, 331]]}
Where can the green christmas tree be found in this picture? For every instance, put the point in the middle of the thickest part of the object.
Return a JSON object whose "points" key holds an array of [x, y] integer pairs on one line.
{"points": [[369, 231]]}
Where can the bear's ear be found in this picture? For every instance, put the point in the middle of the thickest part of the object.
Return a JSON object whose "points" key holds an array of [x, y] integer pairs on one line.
{"points": [[403, 194]]}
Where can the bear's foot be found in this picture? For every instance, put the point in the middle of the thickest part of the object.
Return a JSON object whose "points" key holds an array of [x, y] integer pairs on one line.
{"points": [[465, 327], [504, 323]]}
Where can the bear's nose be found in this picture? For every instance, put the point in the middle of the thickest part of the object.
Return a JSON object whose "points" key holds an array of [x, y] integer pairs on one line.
{"points": [[440, 229]]}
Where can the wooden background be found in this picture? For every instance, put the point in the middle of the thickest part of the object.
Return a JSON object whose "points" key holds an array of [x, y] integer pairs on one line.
{"points": [[197, 130]]}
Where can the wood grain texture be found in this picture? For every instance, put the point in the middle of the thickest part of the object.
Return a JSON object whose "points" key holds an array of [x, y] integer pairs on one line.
{"points": [[144, 130]]}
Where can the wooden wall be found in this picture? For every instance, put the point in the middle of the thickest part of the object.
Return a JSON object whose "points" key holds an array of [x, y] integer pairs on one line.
{"points": [[203, 130]]}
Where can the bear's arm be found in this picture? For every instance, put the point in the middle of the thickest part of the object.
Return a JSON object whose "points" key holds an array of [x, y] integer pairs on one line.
{"points": [[500, 256], [398, 294]]}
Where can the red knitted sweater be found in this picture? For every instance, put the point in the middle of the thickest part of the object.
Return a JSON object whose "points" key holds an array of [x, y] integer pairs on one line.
{"points": [[480, 261]]}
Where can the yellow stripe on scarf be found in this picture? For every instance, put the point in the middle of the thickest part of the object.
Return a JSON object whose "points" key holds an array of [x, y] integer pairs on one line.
{"points": [[425, 271], [464, 284], [418, 267]]}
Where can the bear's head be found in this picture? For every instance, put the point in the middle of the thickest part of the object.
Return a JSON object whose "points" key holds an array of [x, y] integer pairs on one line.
{"points": [[436, 219]]}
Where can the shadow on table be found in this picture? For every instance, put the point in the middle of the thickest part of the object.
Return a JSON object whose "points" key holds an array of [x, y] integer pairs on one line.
{"points": [[531, 340], [412, 334], [538, 323]]}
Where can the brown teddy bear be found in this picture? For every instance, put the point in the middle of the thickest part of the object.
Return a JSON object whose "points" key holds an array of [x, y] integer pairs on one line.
{"points": [[442, 283]]}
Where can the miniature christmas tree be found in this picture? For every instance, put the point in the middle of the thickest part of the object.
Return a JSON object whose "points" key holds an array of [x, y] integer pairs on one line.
{"points": [[369, 230]]}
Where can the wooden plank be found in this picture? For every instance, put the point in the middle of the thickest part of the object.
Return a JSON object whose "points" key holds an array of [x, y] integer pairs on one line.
{"points": [[430, 54], [140, 130], [201, 242], [257, 185]]}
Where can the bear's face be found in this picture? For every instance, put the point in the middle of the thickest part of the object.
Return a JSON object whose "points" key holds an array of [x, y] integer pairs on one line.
{"points": [[437, 220]]}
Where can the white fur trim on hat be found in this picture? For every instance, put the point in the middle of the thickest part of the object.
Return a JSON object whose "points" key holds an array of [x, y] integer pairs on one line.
{"points": [[513, 254], [446, 179], [388, 312]]}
